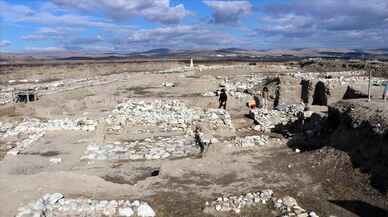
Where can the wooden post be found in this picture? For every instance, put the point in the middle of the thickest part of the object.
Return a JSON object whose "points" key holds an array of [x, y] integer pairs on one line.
{"points": [[370, 85]]}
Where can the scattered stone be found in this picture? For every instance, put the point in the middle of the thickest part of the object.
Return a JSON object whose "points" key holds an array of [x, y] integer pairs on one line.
{"points": [[239, 89], [157, 148], [168, 84], [269, 119], [167, 114], [55, 160], [252, 141], [31, 130], [292, 109], [56, 205], [287, 206]]}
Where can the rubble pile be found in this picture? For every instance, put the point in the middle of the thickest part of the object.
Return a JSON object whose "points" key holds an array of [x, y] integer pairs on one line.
{"points": [[251, 141], [239, 88], [269, 119], [171, 114], [291, 109], [56, 205], [168, 114], [286, 206], [148, 149], [31, 130], [6, 97], [217, 118]]}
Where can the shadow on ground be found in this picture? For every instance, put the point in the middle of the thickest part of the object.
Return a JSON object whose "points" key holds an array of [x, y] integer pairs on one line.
{"points": [[361, 208]]}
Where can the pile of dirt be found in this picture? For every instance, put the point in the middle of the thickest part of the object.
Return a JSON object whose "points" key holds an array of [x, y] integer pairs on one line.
{"points": [[360, 129]]}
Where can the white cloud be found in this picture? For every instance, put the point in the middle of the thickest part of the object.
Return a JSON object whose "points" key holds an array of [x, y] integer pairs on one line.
{"points": [[228, 12], [153, 10], [45, 49], [23, 14], [4, 43], [325, 23], [180, 37]]}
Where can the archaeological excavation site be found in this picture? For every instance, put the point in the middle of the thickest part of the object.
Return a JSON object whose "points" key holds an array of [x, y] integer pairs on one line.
{"points": [[148, 139]]}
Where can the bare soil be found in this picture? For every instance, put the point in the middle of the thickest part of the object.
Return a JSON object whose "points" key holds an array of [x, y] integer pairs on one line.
{"points": [[322, 180]]}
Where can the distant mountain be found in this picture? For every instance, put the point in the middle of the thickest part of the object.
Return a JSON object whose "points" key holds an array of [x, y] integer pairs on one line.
{"points": [[224, 53], [160, 51], [383, 50], [231, 50]]}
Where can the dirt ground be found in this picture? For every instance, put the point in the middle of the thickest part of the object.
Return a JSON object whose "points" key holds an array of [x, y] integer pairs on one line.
{"points": [[321, 180]]}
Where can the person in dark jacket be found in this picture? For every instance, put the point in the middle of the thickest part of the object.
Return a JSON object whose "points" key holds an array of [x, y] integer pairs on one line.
{"points": [[223, 98]]}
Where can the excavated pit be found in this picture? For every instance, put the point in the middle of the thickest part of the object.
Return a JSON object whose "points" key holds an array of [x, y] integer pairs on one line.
{"points": [[360, 129]]}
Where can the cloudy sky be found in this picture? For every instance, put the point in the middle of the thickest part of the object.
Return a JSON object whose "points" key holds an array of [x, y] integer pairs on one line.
{"points": [[137, 25]]}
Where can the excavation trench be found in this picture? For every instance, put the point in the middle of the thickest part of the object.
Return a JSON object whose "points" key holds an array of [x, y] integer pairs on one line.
{"points": [[355, 127]]}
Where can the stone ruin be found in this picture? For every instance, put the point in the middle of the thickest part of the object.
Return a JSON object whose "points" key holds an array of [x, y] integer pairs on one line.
{"points": [[286, 206], [30, 130], [266, 120], [244, 88], [167, 114], [159, 148], [251, 141], [56, 205]]}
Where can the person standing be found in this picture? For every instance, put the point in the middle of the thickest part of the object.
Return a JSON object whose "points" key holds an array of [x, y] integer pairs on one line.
{"points": [[198, 139], [385, 93], [265, 95], [258, 99], [222, 100]]}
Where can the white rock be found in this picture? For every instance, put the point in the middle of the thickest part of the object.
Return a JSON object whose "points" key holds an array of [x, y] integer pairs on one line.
{"points": [[125, 212], [55, 160], [54, 198], [168, 84], [289, 201], [136, 203], [144, 210]]}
